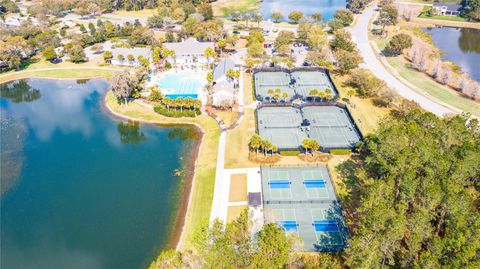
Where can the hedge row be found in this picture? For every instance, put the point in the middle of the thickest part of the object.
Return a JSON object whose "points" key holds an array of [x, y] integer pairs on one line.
{"points": [[289, 152], [340, 151], [173, 113]]}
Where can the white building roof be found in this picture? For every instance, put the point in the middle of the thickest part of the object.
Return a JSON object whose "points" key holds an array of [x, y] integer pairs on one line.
{"points": [[189, 46], [221, 68]]}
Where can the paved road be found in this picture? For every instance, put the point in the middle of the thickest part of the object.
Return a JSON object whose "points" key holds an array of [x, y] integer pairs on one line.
{"points": [[360, 36]]}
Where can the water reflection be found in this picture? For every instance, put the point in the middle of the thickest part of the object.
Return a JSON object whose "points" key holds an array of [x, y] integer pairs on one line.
{"points": [[184, 133], [59, 109], [325, 7], [130, 132], [19, 92], [461, 46]]}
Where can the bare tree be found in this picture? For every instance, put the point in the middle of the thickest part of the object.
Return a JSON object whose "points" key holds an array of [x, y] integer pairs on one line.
{"points": [[121, 85]]}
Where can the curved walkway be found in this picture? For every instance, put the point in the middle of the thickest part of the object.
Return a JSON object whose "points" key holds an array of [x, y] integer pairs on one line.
{"points": [[360, 33]]}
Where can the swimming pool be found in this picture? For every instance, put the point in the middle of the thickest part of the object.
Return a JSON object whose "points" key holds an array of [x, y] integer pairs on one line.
{"points": [[183, 84]]}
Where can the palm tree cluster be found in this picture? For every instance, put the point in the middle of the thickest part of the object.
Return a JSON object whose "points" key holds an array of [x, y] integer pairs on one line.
{"points": [[326, 94], [310, 145], [178, 103], [277, 94], [258, 144]]}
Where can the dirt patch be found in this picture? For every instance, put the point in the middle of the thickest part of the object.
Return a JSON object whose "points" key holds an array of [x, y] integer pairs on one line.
{"points": [[238, 188]]}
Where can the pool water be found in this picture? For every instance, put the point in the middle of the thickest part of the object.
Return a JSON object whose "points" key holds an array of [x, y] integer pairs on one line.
{"points": [[182, 84]]}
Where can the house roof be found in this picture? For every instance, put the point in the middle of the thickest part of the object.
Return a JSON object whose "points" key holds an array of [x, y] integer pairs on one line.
{"points": [[450, 7], [189, 46], [223, 88], [145, 52], [254, 199], [222, 67]]}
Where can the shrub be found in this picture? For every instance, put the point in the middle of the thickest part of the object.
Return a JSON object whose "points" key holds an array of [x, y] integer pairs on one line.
{"points": [[365, 84], [345, 16], [335, 24], [340, 151], [155, 96], [173, 113], [289, 152]]}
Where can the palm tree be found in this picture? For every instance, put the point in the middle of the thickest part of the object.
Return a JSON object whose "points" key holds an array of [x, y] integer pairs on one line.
{"points": [[209, 53], [310, 145], [255, 143], [179, 103], [322, 95], [313, 93], [270, 92], [267, 146], [350, 93], [329, 96], [328, 91], [306, 144], [285, 96]]}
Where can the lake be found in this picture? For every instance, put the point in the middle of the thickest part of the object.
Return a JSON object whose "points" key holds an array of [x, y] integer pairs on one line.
{"points": [[325, 7], [461, 46], [81, 189]]}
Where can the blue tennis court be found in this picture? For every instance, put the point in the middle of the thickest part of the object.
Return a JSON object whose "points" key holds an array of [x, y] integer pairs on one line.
{"points": [[325, 226], [288, 225], [309, 184], [279, 184]]}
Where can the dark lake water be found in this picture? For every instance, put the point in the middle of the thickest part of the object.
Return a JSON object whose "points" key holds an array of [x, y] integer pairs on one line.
{"points": [[79, 188], [461, 46], [325, 7]]}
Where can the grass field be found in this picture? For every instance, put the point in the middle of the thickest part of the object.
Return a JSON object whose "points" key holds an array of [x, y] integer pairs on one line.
{"points": [[198, 211], [238, 188], [440, 17], [224, 7], [236, 154], [93, 72], [144, 13], [364, 112]]}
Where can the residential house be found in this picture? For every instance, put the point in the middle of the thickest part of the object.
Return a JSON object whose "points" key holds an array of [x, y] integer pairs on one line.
{"points": [[189, 51], [447, 9], [135, 52], [223, 87]]}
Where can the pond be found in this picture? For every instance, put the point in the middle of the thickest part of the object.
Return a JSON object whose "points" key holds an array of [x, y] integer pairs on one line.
{"points": [[325, 7], [81, 189], [461, 46]]}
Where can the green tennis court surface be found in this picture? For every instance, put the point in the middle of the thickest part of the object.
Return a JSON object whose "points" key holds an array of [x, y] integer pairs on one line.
{"points": [[331, 126], [297, 83], [303, 200]]}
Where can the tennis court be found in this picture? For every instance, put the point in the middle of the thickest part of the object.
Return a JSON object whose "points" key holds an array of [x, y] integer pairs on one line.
{"points": [[297, 83], [281, 126], [302, 200], [331, 126], [272, 79]]}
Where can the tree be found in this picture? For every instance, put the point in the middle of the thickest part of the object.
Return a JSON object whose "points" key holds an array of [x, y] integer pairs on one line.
{"points": [[276, 16], [19, 92], [76, 54], [417, 178], [97, 48], [317, 38], [314, 93], [283, 41], [295, 16], [255, 36], [209, 53], [345, 16], [274, 248], [342, 41], [350, 93], [255, 143], [49, 53], [258, 18], [221, 44], [347, 60], [91, 28], [365, 83], [210, 78], [317, 17], [236, 15], [398, 43], [255, 50], [155, 21], [335, 24], [120, 57], [311, 145], [107, 56], [388, 16], [130, 57], [82, 28], [206, 10], [121, 85]]}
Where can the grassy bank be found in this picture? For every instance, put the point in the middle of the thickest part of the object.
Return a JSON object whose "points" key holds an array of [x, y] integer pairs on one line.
{"points": [[432, 22], [224, 7], [77, 73], [201, 196], [445, 18]]}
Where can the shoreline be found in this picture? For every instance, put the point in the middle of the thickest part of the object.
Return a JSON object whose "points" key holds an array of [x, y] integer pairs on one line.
{"points": [[177, 234]]}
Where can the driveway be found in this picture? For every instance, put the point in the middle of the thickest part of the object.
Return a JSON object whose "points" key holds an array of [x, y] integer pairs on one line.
{"points": [[360, 35]]}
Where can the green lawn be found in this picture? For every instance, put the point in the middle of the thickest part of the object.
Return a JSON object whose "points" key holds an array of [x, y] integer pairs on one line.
{"points": [[198, 212], [446, 18], [441, 92], [225, 7]]}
